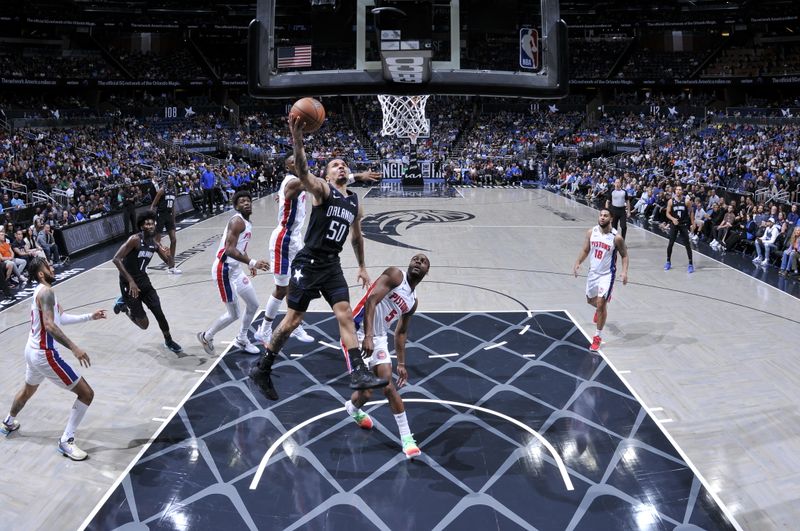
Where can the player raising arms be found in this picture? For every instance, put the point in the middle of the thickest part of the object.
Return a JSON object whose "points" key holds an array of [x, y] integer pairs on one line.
{"points": [[317, 268], [391, 298], [43, 360], [602, 243]]}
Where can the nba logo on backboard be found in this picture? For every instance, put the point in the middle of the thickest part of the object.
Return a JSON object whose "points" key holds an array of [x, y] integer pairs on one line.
{"points": [[528, 48]]}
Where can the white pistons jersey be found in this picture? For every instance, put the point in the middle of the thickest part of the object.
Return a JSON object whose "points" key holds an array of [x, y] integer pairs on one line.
{"points": [[399, 301], [602, 252], [39, 338], [291, 214], [241, 245]]}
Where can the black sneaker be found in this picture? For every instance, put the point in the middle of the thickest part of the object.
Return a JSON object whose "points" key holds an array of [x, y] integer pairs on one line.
{"points": [[361, 378], [120, 306], [174, 347], [263, 379]]}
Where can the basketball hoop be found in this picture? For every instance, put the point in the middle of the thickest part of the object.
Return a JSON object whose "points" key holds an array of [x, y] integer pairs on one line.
{"points": [[404, 116]]}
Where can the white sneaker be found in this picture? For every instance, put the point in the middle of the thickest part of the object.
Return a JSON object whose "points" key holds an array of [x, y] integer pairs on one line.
{"points": [[68, 449], [174, 270], [243, 344], [764, 262], [714, 242], [756, 259], [301, 335], [208, 344], [264, 332]]}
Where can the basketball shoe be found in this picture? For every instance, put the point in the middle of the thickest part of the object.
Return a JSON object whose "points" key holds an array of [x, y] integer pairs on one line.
{"points": [[410, 447], [244, 344], [172, 345], [361, 378], [120, 306], [68, 449], [208, 344], [301, 335], [264, 332], [174, 271], [362, 419], [263, 379], [7, 428], [595, 346]]}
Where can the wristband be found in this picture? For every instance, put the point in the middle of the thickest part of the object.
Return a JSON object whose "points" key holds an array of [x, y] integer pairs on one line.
{"points": [[252, 263]]}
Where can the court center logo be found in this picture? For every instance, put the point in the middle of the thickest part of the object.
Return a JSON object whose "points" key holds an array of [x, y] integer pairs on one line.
{"points": [[387, 226]]}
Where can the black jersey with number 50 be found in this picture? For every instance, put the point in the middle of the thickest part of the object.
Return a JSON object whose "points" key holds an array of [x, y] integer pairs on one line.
{"points": [[330, 223]]}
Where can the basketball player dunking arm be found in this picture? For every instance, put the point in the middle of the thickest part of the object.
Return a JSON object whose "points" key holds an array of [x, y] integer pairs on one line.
{"points": [[317, 269], [44, 362], [681, 214], [601, 244], [229, 278], [286, 241], [390, 298], [132, 260], [164, 205]]}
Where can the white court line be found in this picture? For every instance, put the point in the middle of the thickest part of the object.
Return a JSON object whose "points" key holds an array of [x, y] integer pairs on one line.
{"points": [[147, 445], [330, 345], [529, 355], [557, 458], [656, 409], [496, 345], [158, 419], [295, 355], [669, 437], [662, 421], [624, 372], [168, 408], [530, 313], [527, 327], [443, 355], [200, 371]]}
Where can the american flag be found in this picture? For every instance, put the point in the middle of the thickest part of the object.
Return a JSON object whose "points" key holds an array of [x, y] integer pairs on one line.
{"points": [[294, 56]]}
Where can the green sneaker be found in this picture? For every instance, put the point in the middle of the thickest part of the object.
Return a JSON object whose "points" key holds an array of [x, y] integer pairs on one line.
{"points": [[363, 420], [410, 446]]}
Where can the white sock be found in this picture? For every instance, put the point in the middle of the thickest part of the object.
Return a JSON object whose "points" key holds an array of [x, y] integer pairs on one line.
{"points": [[9, 419], [272, 307], [402, 424], [599, 333], [75, 418], [350, 407]]}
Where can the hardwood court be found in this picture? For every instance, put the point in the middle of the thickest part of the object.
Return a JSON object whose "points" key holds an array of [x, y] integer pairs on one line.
{"points": [[704, 352]]}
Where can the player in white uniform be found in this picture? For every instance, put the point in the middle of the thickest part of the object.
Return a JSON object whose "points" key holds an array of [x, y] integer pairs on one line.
{"points": [[44, 362], [390, 298], [286, 241], [231, 280], [602, 243]]}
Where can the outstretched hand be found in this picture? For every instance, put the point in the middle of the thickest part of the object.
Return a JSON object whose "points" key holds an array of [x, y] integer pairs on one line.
{"points": [[296, 126], [368, 176], [363, 277], [99, 314]]}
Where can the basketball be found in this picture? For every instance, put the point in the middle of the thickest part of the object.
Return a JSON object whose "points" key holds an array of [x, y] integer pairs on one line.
{"points": [[311, 112]]}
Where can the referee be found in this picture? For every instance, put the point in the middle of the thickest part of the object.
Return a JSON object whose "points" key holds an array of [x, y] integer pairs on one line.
{"points": [[619, 206]]}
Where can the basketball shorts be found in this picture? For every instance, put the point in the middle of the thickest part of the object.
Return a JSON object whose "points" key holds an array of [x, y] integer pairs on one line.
{"points": [[230, 280], [282, 249], [48, 364], [380, 350], [599, 285], [313, 276], [147, 297], [164, 220]]}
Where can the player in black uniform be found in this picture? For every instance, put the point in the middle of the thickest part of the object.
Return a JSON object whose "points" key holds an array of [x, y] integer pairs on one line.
{"points": [[317, 269], [681, 214], [164, 205], [132, 260]]}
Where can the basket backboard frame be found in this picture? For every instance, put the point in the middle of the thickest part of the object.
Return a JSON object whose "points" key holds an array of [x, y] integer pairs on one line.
{"points": [[441, 77]]}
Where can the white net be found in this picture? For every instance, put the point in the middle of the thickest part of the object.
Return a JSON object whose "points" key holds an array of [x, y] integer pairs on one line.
{"points": [[404, 116]]}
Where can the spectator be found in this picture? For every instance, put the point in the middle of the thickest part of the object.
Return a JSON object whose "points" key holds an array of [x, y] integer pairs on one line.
{"points": [[47, 243], [766, 243]]}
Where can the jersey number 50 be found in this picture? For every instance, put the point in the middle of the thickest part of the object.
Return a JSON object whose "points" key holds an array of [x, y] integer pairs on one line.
{"points": [[336, 231]]}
